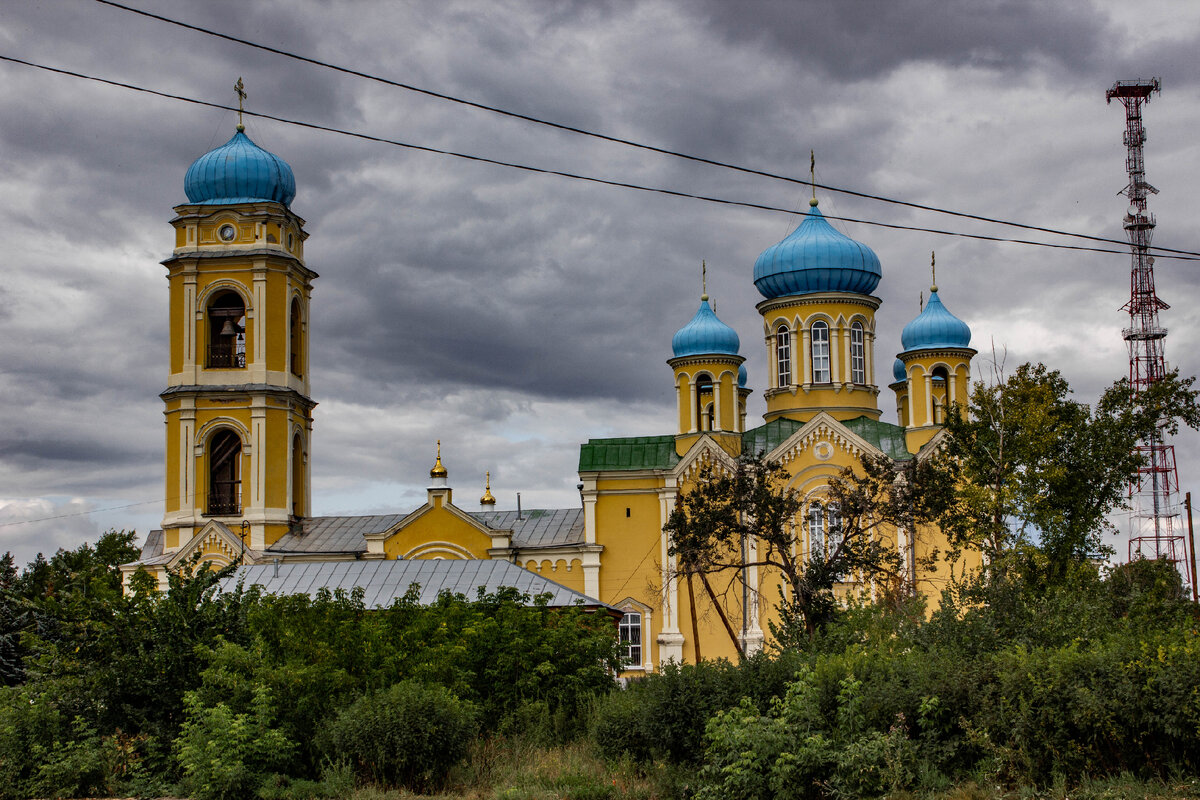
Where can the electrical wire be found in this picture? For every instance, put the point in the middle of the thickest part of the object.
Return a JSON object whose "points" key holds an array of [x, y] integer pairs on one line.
{"points": [[1185, 255], [616, 139]]}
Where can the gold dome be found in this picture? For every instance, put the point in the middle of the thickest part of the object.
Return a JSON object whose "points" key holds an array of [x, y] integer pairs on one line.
{"points": [[488, 499], [438, 470]]}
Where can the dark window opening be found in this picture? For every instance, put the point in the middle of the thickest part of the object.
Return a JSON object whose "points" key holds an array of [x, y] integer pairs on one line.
{"points": [[224, 474], [226, 331], [296, 339]]}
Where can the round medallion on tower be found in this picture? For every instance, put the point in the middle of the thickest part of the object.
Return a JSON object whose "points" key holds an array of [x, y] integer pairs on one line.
{"points": [[816, 258], [705, 335], [239, 171], [935, 327]]}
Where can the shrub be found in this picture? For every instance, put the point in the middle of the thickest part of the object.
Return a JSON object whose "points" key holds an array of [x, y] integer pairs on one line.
{"points": [[229, 755], [408, 735]]}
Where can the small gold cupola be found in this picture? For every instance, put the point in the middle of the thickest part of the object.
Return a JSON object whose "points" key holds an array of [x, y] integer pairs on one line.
{"points": [[488, 500], [439, 490], [438, 470]]}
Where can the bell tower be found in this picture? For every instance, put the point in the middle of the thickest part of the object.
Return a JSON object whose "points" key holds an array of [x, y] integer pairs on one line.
{"points": [[238, 411]]}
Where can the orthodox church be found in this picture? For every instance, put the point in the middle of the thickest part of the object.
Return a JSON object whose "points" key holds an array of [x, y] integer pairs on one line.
{"points": [[239, 427]]}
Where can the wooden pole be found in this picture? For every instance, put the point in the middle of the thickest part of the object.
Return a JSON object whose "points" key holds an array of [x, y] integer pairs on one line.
{"points": [[1187, 502]]}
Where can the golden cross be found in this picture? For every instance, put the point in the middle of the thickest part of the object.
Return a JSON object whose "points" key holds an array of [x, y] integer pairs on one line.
{"points": [[240, 88]]}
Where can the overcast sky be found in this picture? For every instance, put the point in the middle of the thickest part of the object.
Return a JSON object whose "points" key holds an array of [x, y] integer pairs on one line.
{"points": [[515, 315]]}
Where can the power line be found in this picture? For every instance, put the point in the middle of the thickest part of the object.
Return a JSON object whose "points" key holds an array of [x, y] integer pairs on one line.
{"points": [[616, 139], [78, 514], [1186, 255]]}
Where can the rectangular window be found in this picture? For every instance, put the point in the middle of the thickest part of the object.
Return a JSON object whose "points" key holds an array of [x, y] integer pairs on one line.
{"points": [[630, 630], [820, 353], [783, 357], [858, 360]]}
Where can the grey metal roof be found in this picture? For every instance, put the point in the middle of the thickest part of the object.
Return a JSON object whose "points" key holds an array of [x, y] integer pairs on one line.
{"points": [[538, 527], [334, 534], [383, 581], [153, 546]]}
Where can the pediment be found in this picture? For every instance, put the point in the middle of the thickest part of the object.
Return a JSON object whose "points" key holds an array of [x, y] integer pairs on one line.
{"points": [[438, 531], [216, 543], [704, 452], [825, 436]]}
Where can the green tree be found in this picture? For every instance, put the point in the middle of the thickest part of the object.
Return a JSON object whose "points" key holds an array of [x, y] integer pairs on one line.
{"points": [[1026, 459], [751, 502]]}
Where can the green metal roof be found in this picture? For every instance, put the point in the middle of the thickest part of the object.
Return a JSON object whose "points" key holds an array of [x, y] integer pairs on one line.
{"points": [[766, 438], [630, 452], [887, 437], [658, 452]]}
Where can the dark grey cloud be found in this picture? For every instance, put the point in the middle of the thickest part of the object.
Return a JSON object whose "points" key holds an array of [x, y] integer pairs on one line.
{"points": [[860, 40], [514, 315]]}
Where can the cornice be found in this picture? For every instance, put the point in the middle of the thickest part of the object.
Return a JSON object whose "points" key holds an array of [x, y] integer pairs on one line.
{"points": [[235, 389], [819, 298]]}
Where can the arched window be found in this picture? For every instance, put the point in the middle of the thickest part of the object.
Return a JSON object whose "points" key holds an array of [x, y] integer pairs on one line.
{"points": [[783, 356], [941, 380], [224, 474], [704, 400], [297, 476], [630, 631], [816, 526], [295, 338], [226, 331], [820, 352], [858, 354]]}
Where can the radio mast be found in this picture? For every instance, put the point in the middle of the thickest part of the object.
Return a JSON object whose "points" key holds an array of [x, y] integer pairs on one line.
{"points": [[1156, 530]]}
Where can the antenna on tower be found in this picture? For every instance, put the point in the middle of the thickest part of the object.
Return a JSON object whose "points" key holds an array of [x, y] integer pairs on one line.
{"points": [[1156, 530]]}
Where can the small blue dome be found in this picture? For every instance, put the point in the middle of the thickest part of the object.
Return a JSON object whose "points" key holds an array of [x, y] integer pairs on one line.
{"points": [[705, 335], [899, 372], [816, 258], [935, 327], [239, 171], [743, 376]]}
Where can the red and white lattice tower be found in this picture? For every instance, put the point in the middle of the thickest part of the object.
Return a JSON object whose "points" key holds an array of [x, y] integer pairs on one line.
{"points": [[1156, 530]]}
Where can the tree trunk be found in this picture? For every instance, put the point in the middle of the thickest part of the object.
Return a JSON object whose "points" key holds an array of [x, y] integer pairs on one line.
{"points": [[695, 624], [712, 597]]}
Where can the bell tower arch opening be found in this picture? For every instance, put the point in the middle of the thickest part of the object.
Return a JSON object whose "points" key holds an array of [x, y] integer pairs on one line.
{"points": [[226, 315], [224, 474]]}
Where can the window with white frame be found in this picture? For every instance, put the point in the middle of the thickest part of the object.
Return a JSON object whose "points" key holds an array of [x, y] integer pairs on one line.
{"points": [[858, 354], [630, 631], [783, 356], [833, 525], [820, 352], [816, 526]]}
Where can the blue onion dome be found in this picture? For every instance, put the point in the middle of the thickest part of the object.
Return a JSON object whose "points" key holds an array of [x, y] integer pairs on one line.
{"points": [[935, 327], [239, 171], [816, 258], [899, 372], [705, 335], [743, 376]]}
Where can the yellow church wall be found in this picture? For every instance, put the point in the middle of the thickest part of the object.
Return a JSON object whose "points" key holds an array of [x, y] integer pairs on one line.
{"points": [[438, 532], [628, 526], [565, 570], [275, 311]]}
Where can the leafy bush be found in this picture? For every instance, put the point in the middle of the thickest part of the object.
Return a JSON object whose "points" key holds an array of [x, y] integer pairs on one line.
{"points": [[225, 754], [409, 735]]}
